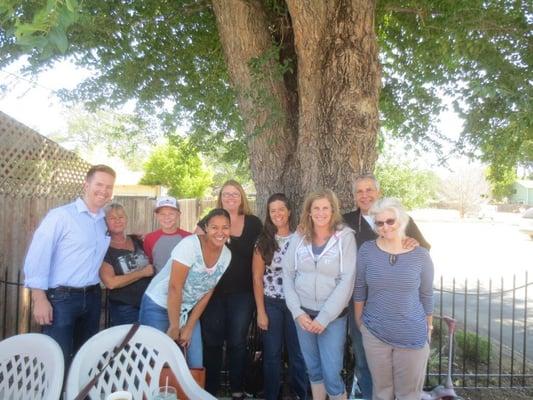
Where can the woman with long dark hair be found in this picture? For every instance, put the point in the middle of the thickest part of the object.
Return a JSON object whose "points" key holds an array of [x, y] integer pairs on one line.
{"points": [[179, 293], [273, 316]]}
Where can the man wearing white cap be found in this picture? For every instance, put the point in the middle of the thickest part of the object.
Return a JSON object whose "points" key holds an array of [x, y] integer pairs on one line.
{"points": [[159, 244]]}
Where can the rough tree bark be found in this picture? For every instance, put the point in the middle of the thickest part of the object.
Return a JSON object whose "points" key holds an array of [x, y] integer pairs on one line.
{"points": [[327, 132]]}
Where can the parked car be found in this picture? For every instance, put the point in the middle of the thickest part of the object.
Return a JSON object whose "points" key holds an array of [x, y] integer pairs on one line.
{"points": [[487, 211], [526, 223]]}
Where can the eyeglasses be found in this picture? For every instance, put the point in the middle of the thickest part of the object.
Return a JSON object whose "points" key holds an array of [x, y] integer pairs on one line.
{"points": [[389, 221], [233, 195]]}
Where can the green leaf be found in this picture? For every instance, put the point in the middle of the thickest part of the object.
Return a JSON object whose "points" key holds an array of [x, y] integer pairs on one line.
{"points": [[59, 39]]}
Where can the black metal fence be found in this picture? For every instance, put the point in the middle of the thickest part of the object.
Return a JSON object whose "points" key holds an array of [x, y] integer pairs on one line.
{"points": [[493, 345]]}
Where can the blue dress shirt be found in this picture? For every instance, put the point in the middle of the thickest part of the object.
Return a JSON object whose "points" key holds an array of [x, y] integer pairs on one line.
{"points": [[67, 248]]}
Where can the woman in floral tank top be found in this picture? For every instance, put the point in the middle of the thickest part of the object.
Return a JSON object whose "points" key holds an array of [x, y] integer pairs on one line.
{"points": [[273, 316]]}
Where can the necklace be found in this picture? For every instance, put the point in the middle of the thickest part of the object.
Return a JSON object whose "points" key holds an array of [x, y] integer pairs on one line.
{"points": [[123, 241]]}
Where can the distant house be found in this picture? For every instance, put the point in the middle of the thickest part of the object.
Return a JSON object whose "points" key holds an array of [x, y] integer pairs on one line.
{"points": [[523, 192], [139, 190]]}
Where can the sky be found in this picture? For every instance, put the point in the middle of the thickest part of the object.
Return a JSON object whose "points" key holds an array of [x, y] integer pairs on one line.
{"points": [[33, 102]]}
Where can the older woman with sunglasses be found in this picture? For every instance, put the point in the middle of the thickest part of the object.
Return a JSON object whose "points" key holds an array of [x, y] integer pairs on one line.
{"points": [[393, 298]]}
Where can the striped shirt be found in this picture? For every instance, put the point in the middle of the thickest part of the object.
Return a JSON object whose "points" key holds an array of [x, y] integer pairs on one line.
{"points": [[398, 297]]}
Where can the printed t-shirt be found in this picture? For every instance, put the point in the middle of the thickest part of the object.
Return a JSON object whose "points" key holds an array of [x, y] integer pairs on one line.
{"points": [[200, 279]]}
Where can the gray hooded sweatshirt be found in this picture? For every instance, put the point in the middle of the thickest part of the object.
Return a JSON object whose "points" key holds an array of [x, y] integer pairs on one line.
{"points": [[322, 283]]}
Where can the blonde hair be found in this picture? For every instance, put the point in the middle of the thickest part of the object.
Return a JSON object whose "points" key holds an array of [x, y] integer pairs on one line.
{"points": [[244, 207], [114, 207], [393, 205], [306, 226]]}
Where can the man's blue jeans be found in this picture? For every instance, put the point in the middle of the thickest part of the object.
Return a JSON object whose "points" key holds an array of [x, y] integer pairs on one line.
{"points": [[361, 366], [154, 315], [121, 314], [324, 355], [227, 319], [281, 329], [76, 317]]}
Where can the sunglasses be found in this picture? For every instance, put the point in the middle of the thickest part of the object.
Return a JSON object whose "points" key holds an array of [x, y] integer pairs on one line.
{"points": [[389, 221]]}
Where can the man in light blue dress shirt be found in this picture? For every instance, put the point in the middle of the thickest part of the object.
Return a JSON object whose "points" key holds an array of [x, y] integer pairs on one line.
{"points": [[62, 264]]}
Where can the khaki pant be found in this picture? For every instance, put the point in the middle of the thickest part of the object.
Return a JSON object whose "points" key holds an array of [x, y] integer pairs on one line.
{"points": [[396, 373]]}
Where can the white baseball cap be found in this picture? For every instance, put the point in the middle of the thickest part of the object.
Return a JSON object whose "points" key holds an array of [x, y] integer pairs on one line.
{"points": [[166, 202]]}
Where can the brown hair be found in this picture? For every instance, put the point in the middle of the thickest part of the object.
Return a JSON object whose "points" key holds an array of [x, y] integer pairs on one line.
{"points": [[100, 168], [306, 226], [244, 207]]}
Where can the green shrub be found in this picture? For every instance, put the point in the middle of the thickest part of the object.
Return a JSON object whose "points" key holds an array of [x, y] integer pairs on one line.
{"points": [[472, 348]]}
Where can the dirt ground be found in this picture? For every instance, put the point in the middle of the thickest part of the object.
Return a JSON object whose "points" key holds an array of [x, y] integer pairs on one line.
{"points": [[495, 394]]}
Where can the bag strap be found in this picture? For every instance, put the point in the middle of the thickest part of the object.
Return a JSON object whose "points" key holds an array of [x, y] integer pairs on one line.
{"points": [[87, 388]]}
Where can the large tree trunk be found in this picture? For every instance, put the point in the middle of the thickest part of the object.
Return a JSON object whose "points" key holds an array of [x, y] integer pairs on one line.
{"points": [[319, 129]]}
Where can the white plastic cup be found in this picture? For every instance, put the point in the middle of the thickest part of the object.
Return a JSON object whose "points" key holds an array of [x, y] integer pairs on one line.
{"points": [[120, 395], [165, 393]]}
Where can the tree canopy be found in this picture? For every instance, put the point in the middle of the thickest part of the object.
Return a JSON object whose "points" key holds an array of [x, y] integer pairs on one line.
{"points": [[177, 166], [414, 188], [173, 58], [122, 135]]}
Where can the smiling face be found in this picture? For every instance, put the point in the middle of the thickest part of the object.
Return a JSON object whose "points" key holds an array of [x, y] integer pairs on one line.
{"points": [[279, 214], [321, 212], [365, 194], [168, 218], [217, 230], [231, 198], [98, 190], [116, 220], [387, 225]]}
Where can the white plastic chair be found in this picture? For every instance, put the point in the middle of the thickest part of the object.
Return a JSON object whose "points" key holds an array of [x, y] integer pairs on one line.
{"points": [[135, 369], [31, 368]]}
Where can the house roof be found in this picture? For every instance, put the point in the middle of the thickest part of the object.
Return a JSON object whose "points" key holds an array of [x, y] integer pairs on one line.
{"points": [[527, 183]]}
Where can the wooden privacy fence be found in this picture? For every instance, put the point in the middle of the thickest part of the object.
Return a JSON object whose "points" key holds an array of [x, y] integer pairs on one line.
{"points": [[141, 215], [20, 216], [36, 174]]}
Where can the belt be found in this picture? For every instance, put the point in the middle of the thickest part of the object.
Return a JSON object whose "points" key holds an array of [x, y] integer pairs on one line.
{"points": [[70, 289]]}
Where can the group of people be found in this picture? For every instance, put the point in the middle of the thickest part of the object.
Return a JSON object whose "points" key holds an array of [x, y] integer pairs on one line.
{"points": [[367, 272]]}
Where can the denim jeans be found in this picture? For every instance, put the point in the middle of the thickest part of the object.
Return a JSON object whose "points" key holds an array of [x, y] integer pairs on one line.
{"points": [[154, 315], [121, 314], [362, 371], [281, 330], [227, 319], [323, 355], [76, 317]]}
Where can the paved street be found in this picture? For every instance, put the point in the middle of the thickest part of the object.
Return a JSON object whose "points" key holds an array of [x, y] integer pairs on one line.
{"points": [[486, 250]]}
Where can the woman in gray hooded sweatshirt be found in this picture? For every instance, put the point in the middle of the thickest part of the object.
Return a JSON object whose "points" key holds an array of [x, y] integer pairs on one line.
{"points": [[319, 273]]}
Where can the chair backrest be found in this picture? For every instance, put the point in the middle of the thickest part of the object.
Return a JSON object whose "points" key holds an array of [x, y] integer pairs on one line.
{"points": [[135, 369], [32, 367]]}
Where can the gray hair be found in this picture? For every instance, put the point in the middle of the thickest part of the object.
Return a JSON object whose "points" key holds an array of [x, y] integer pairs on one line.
{"points": [[394, 205], [363, 177], [113, 207]]}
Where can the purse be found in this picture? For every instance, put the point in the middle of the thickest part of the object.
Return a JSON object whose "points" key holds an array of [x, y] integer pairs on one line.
{"points": [[198, 375]]}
